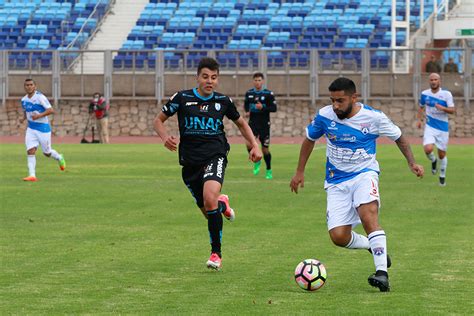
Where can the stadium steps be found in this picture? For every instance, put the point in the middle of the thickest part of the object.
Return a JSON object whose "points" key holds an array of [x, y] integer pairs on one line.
{"points": [[112, 34]]}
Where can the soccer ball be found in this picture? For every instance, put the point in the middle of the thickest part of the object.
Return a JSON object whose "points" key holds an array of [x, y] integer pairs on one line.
{"points": [[310, 274]]}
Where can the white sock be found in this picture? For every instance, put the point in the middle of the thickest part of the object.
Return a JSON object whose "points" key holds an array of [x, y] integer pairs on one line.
{"points": [[55, 155], [32, 165], [358, 241], [378, 245], [431, 157], [442, 167]]}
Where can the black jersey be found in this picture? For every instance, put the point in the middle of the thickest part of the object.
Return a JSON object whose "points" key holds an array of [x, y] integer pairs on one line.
{"points": [[264, 96], [201, 124]]}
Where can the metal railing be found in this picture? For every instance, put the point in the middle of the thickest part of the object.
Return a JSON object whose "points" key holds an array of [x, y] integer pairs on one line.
{"points": [[300, 74]]}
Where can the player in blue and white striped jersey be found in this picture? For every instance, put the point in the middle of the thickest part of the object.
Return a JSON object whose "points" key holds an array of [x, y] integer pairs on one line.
{"points": [[437, 103], [36, 109], [351, 130]]}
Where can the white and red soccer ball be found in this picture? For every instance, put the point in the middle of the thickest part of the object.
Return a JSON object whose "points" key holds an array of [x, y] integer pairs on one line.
{"points": [[310, 274]]}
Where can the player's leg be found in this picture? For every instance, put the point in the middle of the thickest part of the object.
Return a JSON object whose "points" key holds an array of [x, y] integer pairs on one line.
{"points": [[267, 156], [31, 143], [215, 205], [341, 217], [428, 146], [442, 145], [366, 201], [48, 151], [256, 165]]}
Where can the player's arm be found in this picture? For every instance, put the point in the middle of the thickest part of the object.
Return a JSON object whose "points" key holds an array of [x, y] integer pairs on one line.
{"points": [[48, 111], [169, 142], [23, 118], [305, 151], [405, 148], [271, 104], [247, 105], [255, 153], [449, 110]]}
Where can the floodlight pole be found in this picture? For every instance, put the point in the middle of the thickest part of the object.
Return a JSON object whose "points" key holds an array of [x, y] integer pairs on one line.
{"points": [[108, 64], [4, 76], [159, 75], [56, 78], [313, 76]]}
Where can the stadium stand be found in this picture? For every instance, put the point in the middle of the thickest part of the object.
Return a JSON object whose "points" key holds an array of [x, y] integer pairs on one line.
{"points": [[46, 25], [238, 25]]}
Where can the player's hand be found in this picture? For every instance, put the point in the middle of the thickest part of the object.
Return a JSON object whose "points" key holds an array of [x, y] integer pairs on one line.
{"points": [[171, 143], [255, 154], [259, 106], [247, 114], [297, 181], [35, 117], [439, 107], [417, 169]]}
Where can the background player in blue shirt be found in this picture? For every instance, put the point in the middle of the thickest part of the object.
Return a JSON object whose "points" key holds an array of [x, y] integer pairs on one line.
{"points": [[36, 109], [203, 147], [351, 184]]}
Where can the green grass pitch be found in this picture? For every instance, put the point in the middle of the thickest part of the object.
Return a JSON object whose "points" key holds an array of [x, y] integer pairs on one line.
{"points": [[118, 233]]}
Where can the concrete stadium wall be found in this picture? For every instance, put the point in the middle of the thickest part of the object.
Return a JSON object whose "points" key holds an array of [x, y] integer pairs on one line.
{"points": [[135, 118]]}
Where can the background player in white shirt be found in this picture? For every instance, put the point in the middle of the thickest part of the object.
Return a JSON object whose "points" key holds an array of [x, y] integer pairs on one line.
{"points": [[438, 104], [351, 184], [36, 109]]}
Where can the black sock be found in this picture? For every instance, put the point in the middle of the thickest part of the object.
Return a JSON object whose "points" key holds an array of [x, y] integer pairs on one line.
{"points": [[221, 207], [214, 224], [268, 160]]}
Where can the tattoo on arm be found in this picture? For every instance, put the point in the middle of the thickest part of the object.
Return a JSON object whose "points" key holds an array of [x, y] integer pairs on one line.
{"points": [[405, 148]]}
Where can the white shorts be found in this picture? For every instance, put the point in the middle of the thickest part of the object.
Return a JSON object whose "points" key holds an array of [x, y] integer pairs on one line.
{"points": [[33, 138], [437, 137], [344, 198]]}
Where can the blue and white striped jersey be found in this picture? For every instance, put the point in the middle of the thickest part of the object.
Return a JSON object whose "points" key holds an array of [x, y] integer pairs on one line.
{"points": [[37, 104], [351, 143], [435, 118]]}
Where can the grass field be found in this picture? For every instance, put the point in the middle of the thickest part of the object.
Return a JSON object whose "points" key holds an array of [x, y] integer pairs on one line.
{"points": [[118, 233]]}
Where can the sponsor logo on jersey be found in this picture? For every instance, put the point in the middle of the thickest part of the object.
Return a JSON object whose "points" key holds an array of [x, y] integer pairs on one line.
{"points": [[196, 123], [204, 107], [217, 106], [332, 137], [262, 98], [347, 155], [365, 130], [190, 103], [347, 138], [250, 95], [332, 125]]}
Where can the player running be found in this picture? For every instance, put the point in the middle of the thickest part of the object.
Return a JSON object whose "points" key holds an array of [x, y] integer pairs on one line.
{"points": [[438, 104], [36, 109], [351, 184], [259, 102], [203, 147]]}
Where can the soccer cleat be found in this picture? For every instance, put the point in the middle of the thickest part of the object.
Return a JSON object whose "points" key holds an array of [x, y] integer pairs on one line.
{"points": [[442, 181], [389, 261], [229, 212], [256, 167], [31, 179], [62, 163], [433, 167], [269, 174], [214, 262], [380, 280]]}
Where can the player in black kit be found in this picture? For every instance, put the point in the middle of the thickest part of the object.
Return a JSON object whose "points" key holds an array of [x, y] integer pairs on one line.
{"points": [[203, 147], [259, 102]]}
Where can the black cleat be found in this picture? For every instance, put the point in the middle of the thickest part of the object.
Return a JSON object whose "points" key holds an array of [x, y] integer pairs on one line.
{"points": [[380, 280], [442, 182], [433, 167], [389, 261]]}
